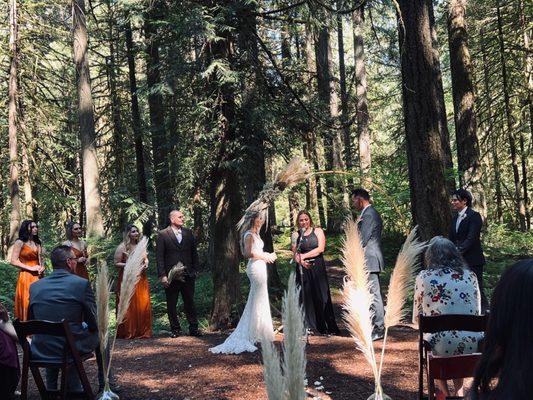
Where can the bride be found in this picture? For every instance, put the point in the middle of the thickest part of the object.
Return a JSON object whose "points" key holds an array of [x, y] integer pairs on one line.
{"points": [[255, 324]]}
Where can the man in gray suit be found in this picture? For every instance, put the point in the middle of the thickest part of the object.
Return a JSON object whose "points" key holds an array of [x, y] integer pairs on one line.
{"points": [[63, 295], [370, 225]]}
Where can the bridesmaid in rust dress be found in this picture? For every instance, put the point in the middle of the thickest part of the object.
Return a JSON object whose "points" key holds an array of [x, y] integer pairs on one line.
{"points": [[79, 248], [26, 256], [138, 320]]}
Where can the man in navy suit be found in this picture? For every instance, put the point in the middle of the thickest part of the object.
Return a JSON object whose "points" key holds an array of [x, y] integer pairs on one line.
{"points": [[465, 232], [63, 295], [370, 226]]}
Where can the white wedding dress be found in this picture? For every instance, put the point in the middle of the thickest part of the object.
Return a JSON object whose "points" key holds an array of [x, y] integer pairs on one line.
{"points": [[255, 324]]}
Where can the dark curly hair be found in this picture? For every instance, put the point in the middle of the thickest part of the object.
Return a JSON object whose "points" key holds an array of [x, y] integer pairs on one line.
{"points": [[25, 232]]}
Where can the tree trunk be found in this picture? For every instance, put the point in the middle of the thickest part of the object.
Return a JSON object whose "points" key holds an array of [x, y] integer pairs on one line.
{"points": [[362, 116], [13, 182], [344, 94], [294, 208], [224, 186], [28, 192], [425, 119], [91, 174], [254, 129], [118, 127], [314, 183], [528, 75], [157, 115], [332, 139], [493, 137], [136, 118], [520, 208], [468, 154]]}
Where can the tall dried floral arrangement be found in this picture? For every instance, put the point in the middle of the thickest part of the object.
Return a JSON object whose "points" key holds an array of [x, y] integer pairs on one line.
{"points": [[401, 282], [130, 277], [358, 299], [295, 172], [285, 380]]}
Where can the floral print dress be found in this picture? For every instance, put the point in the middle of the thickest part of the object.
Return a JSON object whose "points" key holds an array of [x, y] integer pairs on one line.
{"points": [[447, 291]]}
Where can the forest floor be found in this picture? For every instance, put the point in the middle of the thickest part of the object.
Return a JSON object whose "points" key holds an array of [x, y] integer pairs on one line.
{"points": [[183, 368]]}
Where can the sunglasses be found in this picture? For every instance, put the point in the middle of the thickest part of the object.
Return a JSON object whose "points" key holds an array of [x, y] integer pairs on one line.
{"points": [[76, 229]]}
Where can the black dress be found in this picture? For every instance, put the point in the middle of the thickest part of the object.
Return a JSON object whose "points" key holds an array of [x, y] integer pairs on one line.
{"points": [[315, 294]]}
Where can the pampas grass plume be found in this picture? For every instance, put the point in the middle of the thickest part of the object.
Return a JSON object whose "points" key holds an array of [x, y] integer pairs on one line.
{"points": [[402, 278], [130, 277], [286, 381], [103, 293], [357, 297]]}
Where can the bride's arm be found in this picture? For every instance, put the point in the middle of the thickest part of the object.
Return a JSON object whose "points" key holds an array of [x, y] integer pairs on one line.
{"points": [[250, 253]]}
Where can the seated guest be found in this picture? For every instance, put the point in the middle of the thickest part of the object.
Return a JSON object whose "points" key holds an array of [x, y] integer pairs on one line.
{"points": [[63, 295], [447, 286], [9, 361], [506, 367]]}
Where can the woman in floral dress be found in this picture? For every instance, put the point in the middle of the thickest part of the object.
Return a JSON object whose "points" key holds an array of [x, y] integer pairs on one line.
{"points": [[447, 286]]}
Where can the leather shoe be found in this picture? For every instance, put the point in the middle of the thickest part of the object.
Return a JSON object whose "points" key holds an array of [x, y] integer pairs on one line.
{"points": [[175, 334]]}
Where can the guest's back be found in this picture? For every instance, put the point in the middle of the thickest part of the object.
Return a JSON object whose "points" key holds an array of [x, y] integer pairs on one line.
{"points": [[62, 295]]}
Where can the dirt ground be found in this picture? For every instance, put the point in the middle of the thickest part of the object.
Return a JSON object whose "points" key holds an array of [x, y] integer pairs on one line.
{"points": [[182, 368]]}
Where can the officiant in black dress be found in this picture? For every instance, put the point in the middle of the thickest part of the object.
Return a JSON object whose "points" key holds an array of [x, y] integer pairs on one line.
{"points": [[308, 248]]}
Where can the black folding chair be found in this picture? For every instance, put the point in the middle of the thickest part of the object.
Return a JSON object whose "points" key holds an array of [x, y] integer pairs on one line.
{"points": [[71, 358], [446, 367]]}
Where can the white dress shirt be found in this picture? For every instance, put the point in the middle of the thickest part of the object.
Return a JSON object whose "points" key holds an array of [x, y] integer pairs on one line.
{"points": [[177, 232], [460, 216]]}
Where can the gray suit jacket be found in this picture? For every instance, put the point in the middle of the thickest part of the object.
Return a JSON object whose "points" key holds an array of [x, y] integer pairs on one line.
{"points": [[63, 295], [370, 226]]}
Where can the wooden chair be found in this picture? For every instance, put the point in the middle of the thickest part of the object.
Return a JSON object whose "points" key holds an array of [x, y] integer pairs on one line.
{"points": [[446, 367], [71, 358]]}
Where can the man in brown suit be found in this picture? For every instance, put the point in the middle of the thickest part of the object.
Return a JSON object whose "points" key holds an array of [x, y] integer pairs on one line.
{"points": [[177, 244]]}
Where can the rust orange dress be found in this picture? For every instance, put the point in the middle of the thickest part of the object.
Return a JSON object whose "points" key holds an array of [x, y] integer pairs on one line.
{"points": [[138, 320], [81, 268], [30, 257]]}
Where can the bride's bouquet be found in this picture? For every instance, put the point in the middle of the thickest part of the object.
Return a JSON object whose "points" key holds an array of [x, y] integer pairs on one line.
{"points": [[177, 273]]}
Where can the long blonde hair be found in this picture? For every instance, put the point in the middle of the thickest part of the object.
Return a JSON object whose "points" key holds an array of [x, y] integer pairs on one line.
{"points": [[248, 225], [126, 241]]}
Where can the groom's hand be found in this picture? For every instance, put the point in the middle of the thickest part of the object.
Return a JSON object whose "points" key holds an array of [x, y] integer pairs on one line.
{"points": [[164, 282]]}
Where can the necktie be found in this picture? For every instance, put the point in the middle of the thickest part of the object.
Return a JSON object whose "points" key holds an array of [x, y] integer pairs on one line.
{"points": [[460, 217], [178, 236]]}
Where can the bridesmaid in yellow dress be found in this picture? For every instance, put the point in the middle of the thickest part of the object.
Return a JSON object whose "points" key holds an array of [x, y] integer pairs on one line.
{"points": [[79, 248], [138, 320], [26, 256]]}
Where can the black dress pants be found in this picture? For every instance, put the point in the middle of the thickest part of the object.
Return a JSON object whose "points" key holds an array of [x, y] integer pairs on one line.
{"points": [[187, 294]]}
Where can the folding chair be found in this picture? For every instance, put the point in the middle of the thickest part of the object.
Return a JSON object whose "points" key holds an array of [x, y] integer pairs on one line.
{"points": [[71, 358], [446, 367]]}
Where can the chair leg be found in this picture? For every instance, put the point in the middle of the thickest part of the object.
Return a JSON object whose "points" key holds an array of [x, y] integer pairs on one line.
{"points": [[84, 380], [64, 374], [37, 377], [431, 389], [24, 379]]}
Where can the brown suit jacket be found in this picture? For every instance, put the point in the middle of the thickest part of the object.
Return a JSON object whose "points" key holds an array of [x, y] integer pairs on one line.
{"points": [[169, 252]]}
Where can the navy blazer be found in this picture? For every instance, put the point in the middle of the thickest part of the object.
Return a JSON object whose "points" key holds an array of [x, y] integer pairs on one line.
{"points": [[370, 226], [63, 295], [468, 237]]}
